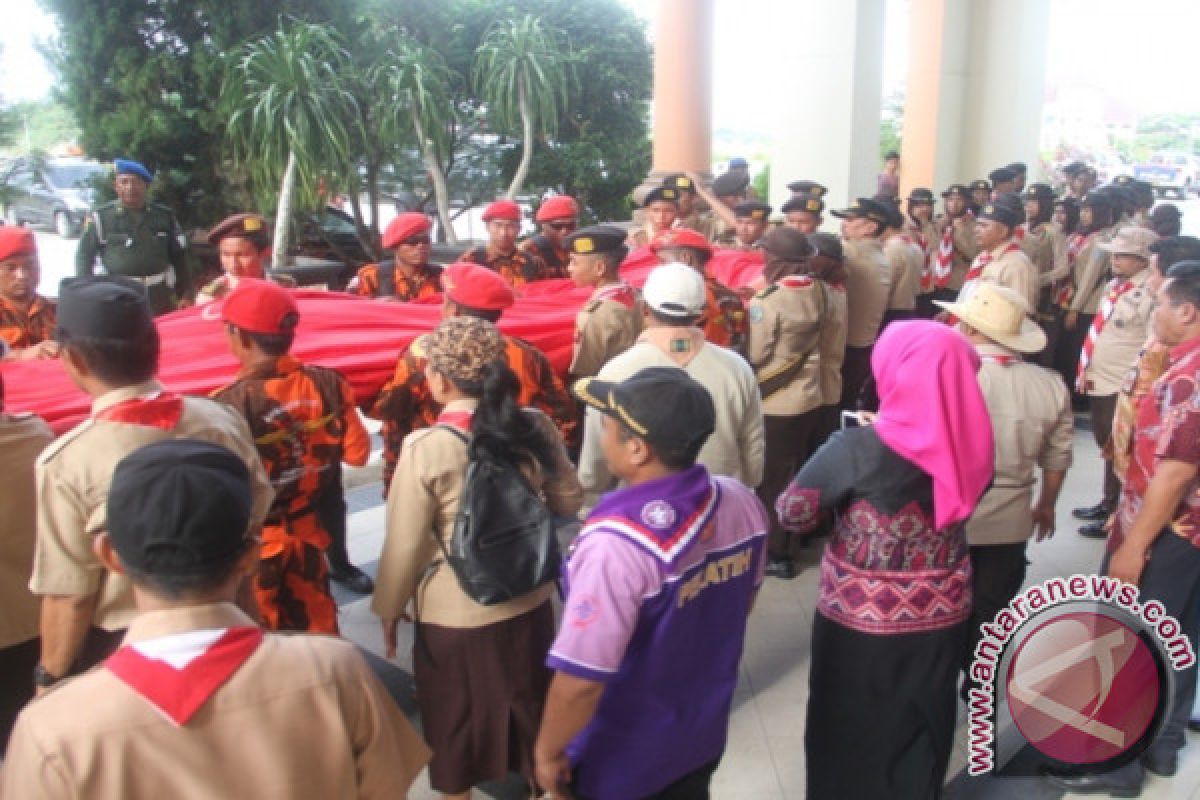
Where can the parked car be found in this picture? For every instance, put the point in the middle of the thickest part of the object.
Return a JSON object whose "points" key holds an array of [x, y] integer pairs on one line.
{"points": [[1171, 172], [55, 192]]}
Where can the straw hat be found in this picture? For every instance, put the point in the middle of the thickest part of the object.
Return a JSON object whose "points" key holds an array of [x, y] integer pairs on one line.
{"points": [[1000, 314]]}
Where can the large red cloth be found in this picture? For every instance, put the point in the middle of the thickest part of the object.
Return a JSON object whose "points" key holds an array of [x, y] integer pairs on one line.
{"points": [[359, 337]]}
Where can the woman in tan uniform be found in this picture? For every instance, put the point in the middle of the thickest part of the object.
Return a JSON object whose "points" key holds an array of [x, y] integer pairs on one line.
{"points": [[480, 670]]}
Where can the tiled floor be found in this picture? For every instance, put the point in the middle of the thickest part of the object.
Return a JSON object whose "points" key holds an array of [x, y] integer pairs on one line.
{"points": [[765, 756]]}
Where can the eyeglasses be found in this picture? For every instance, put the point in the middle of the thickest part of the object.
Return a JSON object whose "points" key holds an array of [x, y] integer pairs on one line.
{"points": [[416, 241], [562, 226]]}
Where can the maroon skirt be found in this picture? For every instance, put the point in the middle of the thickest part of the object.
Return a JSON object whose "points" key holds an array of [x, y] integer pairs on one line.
{"points": [[480, 692]]}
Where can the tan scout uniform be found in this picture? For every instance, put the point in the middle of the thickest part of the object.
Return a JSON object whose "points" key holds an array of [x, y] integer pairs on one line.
{"points": [[1032, 425], [1121, 338], [302, 717], [1012, 268], [1092, 269], [703, 222], [786, 320], [907, 261], [965, 248], [868, 285], [73, 476], [832, 345], [22, 437], [607, 326]]}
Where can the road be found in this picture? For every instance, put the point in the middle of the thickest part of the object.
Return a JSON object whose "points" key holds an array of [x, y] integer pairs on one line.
{"points": [[58, 254]]}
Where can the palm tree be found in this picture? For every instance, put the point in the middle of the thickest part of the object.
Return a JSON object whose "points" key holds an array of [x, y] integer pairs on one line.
{"points": [[524, 75], [287, 111]]}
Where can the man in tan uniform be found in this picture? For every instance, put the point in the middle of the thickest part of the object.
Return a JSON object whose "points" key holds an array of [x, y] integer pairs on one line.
{"points": [[868, 285], [828, 266], [609, 324], [660, 209], [690, 216], [22, 437], [753, 218], [954, 248], [1000, 259], [199, 702], [1032, 426], [1118, 332], [110, 351], [907, 261]]}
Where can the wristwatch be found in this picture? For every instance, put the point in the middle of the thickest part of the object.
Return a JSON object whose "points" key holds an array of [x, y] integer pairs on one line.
{"points": [[44, 678]]}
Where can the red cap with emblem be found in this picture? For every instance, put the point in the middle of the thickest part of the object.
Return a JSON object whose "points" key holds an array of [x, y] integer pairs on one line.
{"points": [[404, 227], [502, 209], [477, 287], [16, 241], [260, 307], [681, 237], [561, 206]]}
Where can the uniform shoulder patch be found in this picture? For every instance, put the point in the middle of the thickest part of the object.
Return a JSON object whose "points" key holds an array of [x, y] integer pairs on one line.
{"points": [[755, 312]]}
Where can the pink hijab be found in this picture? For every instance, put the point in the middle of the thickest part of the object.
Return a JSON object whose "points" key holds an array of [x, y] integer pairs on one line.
{"points": [[932, 412]]}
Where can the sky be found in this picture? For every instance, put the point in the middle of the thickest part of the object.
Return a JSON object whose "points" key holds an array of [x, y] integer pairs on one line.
{"points": [[1142, 52]]}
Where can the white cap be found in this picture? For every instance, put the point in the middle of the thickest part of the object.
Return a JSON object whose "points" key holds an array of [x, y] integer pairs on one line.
{"points": [[675, 289]]}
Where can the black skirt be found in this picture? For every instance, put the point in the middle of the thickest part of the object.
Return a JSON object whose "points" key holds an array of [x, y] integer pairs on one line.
{"points": [[881, 712]]}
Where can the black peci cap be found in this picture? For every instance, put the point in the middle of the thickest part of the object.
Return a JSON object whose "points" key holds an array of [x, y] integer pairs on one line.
{"points": [[596, 239], [663, 405], [102, 307]]}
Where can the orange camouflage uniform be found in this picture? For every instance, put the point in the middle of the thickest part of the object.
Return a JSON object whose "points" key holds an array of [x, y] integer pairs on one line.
{"points": [[304, 422], [556, 258], [405, 403], [25, 328], [724, 317], [518, 268], [426, 283]]}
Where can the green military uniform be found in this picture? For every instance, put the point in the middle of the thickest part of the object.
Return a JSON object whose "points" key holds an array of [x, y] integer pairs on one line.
{"points": [[144, 244]]}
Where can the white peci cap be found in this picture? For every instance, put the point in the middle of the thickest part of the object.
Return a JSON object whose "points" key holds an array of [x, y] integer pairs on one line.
{"points": [[675, 289]]}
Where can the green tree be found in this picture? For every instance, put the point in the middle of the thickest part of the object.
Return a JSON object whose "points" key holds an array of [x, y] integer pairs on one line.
{"points": [[524, 74], [287, 110]]}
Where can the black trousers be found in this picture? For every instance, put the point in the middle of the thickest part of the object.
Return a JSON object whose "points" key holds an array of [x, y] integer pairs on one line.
{"points": [[790, 441], [1070, 345], [692, 786], [998, 570], [1103, 408], [856, 368], [331, 511], [16, 687]]}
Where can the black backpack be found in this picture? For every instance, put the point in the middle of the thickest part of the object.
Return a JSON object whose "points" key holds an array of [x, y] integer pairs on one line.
{"points": [[504, 542]]}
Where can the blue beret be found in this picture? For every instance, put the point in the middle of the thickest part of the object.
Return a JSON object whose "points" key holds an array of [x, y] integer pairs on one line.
{"points": [[127, 167]]}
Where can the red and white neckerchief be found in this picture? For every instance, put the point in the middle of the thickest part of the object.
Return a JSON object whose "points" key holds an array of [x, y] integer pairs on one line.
{"points": [[1064, 288], [797, 281], [943, 265], [983, 259], [620, 292], [1003, 359], [158, 409], [456, 419], [1020, 232], [1116, 288], [178, 674]]}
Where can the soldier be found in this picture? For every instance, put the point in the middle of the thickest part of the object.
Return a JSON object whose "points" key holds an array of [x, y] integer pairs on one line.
{"points": [[26, 318], [783, 346], [955, 243], [868, 284], [752, 220], [981, 193], [244, 249], [410, 276], [500, 254], [405, 403], [803, 212], [1000, 259], [724, 317], [612, 318], [1032, 426], [110, 351], [557, 217], [660, 209], [907, 261], [138, 240], [304, 424], [1117, 333], [198, 698]]}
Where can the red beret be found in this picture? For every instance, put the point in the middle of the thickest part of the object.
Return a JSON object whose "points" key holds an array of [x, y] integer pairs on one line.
{"points": [[681, 237], [404, 226], [502, 209], [561, 206], [16, 241], [259, 307], [246, 226], [477, 287]]}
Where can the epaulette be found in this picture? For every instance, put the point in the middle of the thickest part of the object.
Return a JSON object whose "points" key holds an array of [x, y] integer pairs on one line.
{"points": [[591, 306], [55, 447], [764, 292]]}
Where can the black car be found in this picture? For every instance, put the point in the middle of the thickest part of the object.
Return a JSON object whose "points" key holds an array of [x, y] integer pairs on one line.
{"points": [[55, 192]]}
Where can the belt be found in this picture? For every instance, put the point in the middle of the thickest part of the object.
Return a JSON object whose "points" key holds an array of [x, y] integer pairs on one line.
{"points": [[150, 280]]}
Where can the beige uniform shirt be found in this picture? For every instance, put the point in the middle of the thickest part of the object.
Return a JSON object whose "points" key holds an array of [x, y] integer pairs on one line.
{"points": [[1032, 426], [906, 260], [832, 345], [868, 286], [604, 328], [1121, 338], [22, 437], [704, 222], [423, 503], [965, 248], [785, 328], [73, 477], [1012, 269], [737, 446], [303, 717], [1093, 267]]}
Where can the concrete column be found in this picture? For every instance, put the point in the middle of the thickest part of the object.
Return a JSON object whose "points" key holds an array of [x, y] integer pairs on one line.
{"points": [[976, 80], [828, 98]]}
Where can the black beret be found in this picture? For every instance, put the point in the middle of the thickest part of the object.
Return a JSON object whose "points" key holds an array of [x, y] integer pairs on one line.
{"points": [[827, 244], [981, 185], [680, 182], [1006, 209], [803, 202], [920, 195], [788, 244], [1074, 168], [730, 183], [667, 193], [179, 507], [596, 239], [1167, 212], [1001, 175], [1098, 199], [1067, 201], [807, 187], [957, 189], [102, 307], [752, 209], [867, 208], [1017, 168], [895, 215]]}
